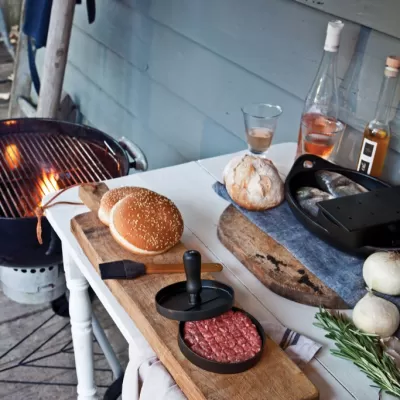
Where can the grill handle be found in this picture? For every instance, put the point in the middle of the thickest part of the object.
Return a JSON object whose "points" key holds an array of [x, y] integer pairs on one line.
{"points": [[139, 159]]}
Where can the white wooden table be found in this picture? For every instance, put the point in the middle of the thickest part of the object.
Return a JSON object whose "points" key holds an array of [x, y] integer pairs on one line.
{"points": [[189, 186]]}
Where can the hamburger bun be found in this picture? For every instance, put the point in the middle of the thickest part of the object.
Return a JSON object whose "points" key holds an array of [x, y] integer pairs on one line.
{"points": [[146, 222], [110, 199]]}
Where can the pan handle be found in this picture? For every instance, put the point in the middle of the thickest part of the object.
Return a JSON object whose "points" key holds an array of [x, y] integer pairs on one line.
{"points": [[139, 159], [307, 162]]}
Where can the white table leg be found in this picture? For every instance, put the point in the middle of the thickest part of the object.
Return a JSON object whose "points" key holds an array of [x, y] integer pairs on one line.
{"points": [[80, 310]]}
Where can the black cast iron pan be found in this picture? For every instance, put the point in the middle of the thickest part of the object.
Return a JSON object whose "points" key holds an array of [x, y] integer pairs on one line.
{"points": [[303, 174]]}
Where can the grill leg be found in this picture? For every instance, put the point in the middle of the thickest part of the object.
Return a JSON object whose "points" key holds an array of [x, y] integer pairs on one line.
{"points": [[105, 346], [114, 391], [80, 310]]}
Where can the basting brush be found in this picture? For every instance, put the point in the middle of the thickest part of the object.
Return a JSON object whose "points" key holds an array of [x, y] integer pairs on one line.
{"points": [[128, 269]]}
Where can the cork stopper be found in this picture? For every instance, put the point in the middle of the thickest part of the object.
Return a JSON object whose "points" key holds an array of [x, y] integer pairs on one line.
{"points": [[393, 62], [392, 66], [333, 35]]}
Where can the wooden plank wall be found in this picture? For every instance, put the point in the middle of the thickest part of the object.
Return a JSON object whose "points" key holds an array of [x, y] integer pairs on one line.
{"points": [[173, 74], [380, 15]]}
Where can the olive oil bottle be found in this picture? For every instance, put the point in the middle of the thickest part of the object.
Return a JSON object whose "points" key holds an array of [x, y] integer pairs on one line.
{"points": [[376, 139]]}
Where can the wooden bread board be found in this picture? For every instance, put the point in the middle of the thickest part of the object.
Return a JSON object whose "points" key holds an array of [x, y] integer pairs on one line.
{"points": [[272, 264], [275, 377]]}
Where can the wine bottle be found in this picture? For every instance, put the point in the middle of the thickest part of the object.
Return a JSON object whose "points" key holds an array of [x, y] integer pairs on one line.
{"points": [[376, 139], [323, 97]]}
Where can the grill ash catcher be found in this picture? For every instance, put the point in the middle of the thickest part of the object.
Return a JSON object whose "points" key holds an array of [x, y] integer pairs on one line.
{"points": [[199, 299]]}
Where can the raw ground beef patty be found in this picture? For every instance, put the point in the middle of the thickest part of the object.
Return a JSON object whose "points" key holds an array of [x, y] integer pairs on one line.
{"points": [[229, 338]]}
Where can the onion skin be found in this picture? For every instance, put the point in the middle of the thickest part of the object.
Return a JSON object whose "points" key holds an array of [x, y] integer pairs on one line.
{"points": [[375, 315], [381, 272]]}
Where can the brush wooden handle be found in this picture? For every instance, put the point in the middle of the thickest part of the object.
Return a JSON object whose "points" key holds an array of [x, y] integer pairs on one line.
{"points": [[179, 268]]}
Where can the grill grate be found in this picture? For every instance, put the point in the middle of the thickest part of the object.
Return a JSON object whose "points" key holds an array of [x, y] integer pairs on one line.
{"points": [[33, 165]]}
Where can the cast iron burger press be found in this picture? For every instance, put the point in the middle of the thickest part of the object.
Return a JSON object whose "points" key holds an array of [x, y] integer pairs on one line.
{"points": [[199, 299], [194, 299], [358, 224]]}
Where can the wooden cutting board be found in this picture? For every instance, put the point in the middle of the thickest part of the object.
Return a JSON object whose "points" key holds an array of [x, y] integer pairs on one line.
{"points": [[275, 377], [272, 264]]}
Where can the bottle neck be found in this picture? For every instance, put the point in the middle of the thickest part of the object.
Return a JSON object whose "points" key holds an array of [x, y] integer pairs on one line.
{"points": [[328, 61], [385, 98], [323, 95]]}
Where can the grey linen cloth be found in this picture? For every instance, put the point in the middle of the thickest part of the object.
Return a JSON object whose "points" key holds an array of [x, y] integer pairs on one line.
{"points": [[338, 270]]}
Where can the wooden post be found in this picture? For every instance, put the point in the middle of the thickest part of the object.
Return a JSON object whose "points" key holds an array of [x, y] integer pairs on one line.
{"points": [[12, 10], [55, 60], [21, 86]]}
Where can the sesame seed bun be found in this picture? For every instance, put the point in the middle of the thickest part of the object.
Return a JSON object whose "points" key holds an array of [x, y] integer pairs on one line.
{"points": [[110, 199], [146, 222]]}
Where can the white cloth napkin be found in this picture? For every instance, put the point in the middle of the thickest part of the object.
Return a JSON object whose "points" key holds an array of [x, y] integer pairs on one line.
{"points": [[147, 379], [300, 349]]}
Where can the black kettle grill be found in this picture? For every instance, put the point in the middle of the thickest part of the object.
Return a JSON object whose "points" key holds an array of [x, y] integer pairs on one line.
{"points": [[39, 156]]}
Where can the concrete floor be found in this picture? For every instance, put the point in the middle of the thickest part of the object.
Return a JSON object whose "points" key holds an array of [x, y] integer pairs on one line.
{"points": [[48, 373], [36, 358]]}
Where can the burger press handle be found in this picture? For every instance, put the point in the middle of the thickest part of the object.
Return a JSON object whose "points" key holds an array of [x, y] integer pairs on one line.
{"points": [[192, 264]]}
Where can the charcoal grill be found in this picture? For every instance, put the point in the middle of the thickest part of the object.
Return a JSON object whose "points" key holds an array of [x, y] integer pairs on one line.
{"points": [[32, 166], [40, 156]]}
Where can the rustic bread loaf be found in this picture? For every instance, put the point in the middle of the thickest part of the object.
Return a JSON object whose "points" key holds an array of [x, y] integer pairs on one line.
{"points": [[253, 182]]}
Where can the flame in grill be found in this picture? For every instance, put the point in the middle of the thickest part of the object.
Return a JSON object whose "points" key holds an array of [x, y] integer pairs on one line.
{"points": [[48, 183], [12, 156], [10, 122]]}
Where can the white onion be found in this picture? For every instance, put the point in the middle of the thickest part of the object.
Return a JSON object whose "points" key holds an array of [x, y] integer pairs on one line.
{"points": [[381, 272], [373, 314]]}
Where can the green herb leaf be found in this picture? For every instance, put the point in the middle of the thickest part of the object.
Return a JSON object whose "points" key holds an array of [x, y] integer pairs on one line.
{"points": [[363, 349]]}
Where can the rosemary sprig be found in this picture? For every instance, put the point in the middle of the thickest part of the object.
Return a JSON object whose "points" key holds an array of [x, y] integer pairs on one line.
{"points": [[364, 350]]}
